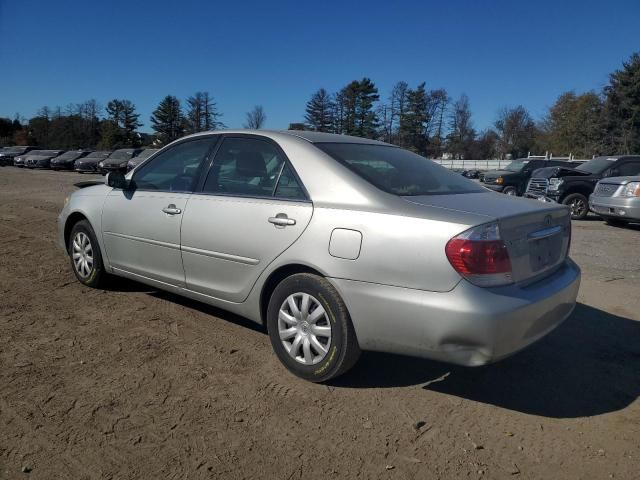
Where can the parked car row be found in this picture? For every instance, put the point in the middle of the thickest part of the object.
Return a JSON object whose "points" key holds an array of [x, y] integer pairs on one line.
{"points": [[608, 186], [83, 161]]}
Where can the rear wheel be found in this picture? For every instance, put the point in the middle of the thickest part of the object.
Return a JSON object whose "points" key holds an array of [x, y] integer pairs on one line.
{"points": [[84, 252], [578, 204], [310, 328], [511, 191]]}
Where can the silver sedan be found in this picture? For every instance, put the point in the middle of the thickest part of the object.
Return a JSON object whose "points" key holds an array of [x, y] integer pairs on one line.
{"points": [[337, 244]]}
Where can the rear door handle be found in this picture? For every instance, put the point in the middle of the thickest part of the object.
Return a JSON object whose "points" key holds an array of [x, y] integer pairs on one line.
{"points": [[172, 210], [281, 220]]}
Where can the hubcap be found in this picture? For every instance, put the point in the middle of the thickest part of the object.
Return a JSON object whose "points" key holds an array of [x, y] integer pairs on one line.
{"points": [[304, 328], [511, 192], [578, 206], [82, 253]]}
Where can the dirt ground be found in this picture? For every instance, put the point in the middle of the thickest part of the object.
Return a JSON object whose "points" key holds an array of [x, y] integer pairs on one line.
{"points": [[136, 383]]}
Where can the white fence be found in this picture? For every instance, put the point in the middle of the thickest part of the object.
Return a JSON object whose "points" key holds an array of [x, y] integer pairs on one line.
{"points": [[474, 164]]}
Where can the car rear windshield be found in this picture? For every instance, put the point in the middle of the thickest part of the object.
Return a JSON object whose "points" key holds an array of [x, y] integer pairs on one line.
{"points": [[597, 165], [398, 171], [516, 165]]}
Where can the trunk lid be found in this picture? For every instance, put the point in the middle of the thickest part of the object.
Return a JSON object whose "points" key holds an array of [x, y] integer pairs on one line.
{"points": [[537, 235]]}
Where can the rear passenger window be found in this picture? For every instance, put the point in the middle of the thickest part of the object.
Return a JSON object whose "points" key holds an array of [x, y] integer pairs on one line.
{"points": [[629, 169], [251, 167], [288, 186]]}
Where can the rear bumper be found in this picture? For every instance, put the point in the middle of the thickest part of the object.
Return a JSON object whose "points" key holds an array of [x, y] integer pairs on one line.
{"points": [[468, 326], [617, 207]]}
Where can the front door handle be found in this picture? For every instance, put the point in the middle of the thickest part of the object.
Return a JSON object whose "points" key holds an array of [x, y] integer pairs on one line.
{"points": [[281, 220], [172, 210]]}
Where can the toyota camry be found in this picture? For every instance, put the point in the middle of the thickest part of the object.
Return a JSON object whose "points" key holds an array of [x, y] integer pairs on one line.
{"points": [[336, 244]]}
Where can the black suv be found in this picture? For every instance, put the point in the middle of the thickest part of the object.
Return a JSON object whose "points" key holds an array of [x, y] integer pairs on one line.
{"points": [[515, 176], [572, 186]]}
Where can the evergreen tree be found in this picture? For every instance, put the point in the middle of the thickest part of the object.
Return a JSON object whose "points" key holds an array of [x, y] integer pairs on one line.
{"points": [[320, 111], [130, 124], [124, 119], [412, 128], [622, 107], [360, 118], [167, 120]]}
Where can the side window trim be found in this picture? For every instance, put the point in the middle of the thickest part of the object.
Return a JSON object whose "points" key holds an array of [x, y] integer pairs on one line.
{"points": [[158, 154], [200, 186]]}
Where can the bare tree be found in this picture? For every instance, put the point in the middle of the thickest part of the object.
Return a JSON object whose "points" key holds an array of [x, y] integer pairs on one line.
{"points": [[256, 118]]}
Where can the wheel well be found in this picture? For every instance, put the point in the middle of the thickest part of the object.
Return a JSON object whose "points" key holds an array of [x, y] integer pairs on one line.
{"points": [[581, 191], [274, 279], [74, 218]]}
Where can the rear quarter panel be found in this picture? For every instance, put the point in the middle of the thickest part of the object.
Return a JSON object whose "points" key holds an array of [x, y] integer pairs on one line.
{"points": [[395, 250]]}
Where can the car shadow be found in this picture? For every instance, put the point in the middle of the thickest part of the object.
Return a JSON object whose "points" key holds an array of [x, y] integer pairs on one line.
{"points": [[208, 310], [588, 366]]}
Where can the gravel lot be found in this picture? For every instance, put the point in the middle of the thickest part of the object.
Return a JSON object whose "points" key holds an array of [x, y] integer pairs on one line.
{"points": [[136, 383]]}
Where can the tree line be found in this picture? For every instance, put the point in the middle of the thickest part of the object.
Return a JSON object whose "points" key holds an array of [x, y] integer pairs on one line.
{"points": [[431, 123], [427, 121], [88, 125]]}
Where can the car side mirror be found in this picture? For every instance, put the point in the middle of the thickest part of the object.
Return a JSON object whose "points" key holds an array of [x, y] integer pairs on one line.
{"points": [[116, 180]]}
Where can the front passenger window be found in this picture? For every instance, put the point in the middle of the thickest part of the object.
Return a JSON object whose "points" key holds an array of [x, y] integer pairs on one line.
{"points": [[175, 169]]}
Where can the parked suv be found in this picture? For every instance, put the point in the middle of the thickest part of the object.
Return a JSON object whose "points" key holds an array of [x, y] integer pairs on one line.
{"points": [[515, 176], [617, 200], [572, 186]]}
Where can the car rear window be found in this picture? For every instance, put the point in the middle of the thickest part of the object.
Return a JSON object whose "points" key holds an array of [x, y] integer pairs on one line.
{"points": [[398, 171]]}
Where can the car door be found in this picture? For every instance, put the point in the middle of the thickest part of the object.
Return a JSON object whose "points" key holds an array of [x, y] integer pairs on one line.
{"points": [[251, 207], [141, 225]]}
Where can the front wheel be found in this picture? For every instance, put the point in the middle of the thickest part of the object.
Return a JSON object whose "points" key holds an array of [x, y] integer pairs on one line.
{"points": [[84, 252], [578, 204], [310, 329], [511, 191]]}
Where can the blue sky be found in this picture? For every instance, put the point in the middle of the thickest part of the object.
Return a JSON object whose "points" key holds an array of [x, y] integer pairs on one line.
{"points": [[278, 53]]}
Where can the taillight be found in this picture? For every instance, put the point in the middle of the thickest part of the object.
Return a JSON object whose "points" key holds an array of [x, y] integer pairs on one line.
{"points": [[480, 256]]}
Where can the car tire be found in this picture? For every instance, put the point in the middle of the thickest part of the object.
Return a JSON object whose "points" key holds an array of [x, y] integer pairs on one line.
{"points": [[85, 256], [511, 191], [324, 340], [578, 204], [615, 222]]}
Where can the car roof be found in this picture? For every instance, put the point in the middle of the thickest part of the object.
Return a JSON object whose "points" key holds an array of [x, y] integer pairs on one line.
{"points": [[322, 137], [617, 157], [312, 137]]}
